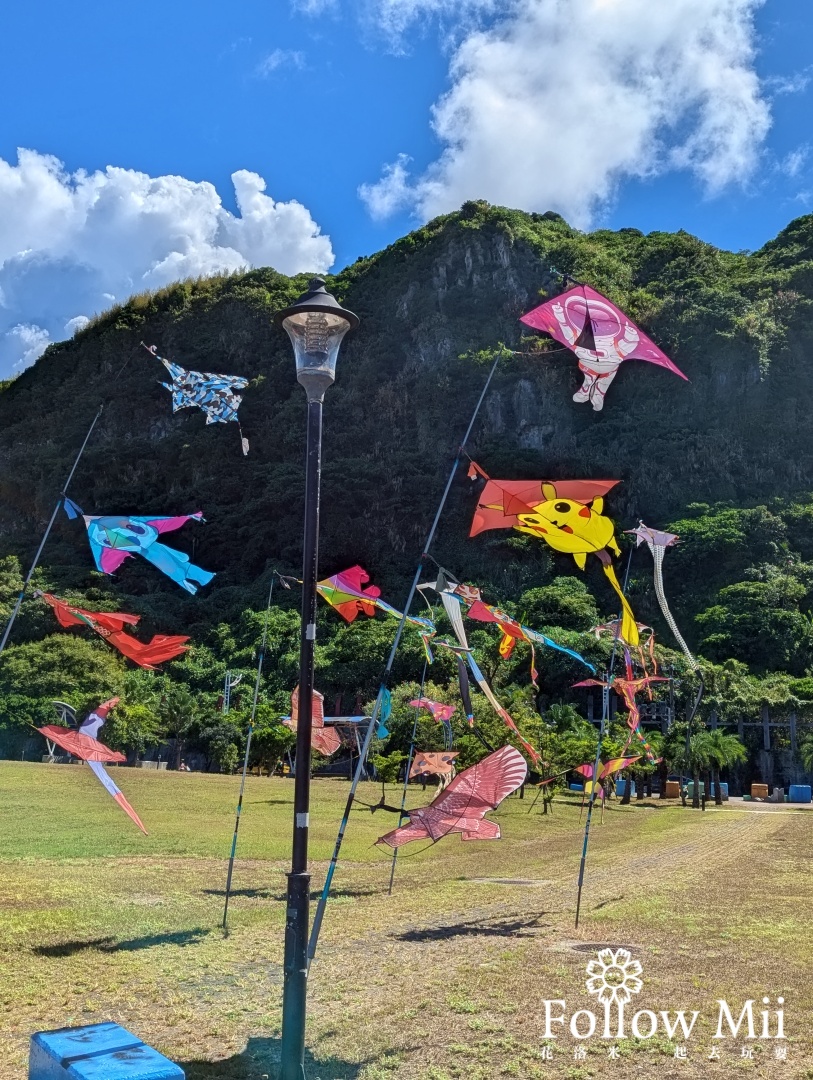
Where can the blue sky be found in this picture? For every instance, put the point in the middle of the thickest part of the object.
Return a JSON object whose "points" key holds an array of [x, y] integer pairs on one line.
{"points": [[691, 115]]}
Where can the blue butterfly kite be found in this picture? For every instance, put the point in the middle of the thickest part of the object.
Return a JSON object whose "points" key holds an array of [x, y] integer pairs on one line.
{"points": [[216, 395]]}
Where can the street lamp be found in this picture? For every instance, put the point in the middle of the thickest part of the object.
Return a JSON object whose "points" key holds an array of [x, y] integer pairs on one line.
{"points": [[316, 324]]}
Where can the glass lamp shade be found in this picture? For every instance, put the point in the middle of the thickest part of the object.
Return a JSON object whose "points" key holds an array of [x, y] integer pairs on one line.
{"points": [[316, 325]]}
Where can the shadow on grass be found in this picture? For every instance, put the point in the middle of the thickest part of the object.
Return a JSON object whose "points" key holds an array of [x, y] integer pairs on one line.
{"points": [[477, 928], [348, 891], [111, 945], [606, 903], [260, 1058], [251, 894]]}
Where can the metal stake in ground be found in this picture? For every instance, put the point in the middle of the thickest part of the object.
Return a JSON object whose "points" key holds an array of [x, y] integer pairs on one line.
{"points": [[605, 714], [248, 748]]}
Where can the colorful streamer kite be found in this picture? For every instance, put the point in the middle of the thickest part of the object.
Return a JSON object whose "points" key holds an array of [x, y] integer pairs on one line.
{"points": [[114, 539], [658, 542], [463, 805], [326, 740], [464, 655], [568, 523], [646, 641], [83, 743], [110, 626], [628, 689], [346, 593], [608, 768], [441, 714], [216, 395], [601, 336]]}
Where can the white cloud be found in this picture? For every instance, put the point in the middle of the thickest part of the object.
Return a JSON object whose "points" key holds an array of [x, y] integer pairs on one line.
{"points": [[313, 7], [391, 193], [392, 18], [74, 325], [71, 245], [553, 104], [795, 83], [279, 58], [32, 342], [793, 163]]}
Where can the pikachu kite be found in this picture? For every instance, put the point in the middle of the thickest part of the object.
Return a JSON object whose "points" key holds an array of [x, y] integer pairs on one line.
{"points": [[568, 515]]}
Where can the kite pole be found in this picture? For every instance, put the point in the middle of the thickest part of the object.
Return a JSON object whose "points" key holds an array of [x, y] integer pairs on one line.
{"points": [[406, 776], [605, 714], [320, 907], [248, 748], [34, 564]]}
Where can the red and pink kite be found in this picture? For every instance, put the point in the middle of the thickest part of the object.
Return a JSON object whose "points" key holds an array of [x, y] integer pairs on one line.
{"points": [[82, 743], [462, 806]]}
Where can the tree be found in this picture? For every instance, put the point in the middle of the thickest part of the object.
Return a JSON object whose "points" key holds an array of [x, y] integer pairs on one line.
{"points": [[178, 711], [722, 750], [700, 755]]}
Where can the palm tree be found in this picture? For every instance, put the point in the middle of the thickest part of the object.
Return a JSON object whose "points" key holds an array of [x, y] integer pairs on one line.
{"points": [[699, 760], [722, 750]]}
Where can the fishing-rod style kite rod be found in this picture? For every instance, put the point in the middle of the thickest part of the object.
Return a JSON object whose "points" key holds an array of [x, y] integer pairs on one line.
{"points": [[63, 493], [248, 748], [320, 907], [605, 714]]}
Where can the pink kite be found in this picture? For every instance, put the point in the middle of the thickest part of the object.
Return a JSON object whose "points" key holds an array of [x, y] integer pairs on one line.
{"points": [[346, 593], [608, 768], [325, 740], [601, 336], [464, 803], [83, 743], [439, 711]]}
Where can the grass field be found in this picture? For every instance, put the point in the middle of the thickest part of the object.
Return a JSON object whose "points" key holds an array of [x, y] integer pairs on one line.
{"points": [[447, 978]]}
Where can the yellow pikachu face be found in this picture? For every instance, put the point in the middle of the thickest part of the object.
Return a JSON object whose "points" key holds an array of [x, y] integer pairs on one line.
{"points": [[567, 525]]}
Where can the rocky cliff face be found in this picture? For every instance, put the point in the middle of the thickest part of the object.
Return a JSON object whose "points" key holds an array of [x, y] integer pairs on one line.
{"points": [[740, 429]]}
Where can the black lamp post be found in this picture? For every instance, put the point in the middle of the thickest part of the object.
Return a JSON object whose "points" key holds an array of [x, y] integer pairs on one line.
{"points": [[316, 324]]}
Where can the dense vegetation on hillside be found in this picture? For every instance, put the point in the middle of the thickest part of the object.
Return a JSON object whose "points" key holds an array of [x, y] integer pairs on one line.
{"points": [[725, 460]]}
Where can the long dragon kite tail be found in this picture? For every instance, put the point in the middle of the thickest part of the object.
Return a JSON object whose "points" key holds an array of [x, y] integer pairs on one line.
{"points": [[629, 627], [657, 555], [105, 779]]}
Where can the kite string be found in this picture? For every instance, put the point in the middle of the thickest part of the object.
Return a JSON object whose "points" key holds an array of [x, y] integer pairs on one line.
{"points": [[251, 720], [408, 766], [320, 908], [62, 495], [605, 713]]}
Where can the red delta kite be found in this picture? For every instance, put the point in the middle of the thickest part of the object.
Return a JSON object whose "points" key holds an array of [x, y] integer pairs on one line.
{"points": [[110, 626]]}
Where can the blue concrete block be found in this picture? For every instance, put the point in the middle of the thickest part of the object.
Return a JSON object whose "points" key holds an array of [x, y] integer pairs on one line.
{"points": [[799, 793], [577, 787], [97, 1052], [621, 787]]}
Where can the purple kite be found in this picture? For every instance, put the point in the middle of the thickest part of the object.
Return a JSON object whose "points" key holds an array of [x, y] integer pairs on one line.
{"points": [[601, 336]]}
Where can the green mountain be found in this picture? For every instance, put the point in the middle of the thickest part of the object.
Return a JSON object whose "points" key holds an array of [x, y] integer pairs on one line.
{"points": [[726, 459]]}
